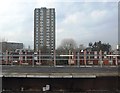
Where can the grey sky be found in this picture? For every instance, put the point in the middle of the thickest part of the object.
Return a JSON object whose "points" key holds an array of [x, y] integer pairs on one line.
{"points": [[83, 21]]}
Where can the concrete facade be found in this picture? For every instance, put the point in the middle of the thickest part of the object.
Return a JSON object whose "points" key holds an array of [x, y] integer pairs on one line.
{"points": [[10, 46], [44, 30]]}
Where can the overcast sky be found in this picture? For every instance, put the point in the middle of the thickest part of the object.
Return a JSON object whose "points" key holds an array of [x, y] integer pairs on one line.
{"points": [[83, 20]]}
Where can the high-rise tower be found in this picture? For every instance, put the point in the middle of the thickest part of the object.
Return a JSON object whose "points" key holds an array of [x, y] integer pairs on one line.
{"points": [[44, 30]]}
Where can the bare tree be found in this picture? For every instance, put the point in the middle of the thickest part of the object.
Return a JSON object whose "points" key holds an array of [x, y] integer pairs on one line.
{"points": [[81, 47], [68, 44]]}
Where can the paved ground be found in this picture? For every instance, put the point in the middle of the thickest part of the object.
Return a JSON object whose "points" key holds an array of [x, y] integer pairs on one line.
{"points": [[98, 71]]}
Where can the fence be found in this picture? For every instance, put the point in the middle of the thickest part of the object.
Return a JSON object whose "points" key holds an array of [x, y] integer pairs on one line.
{"points": [[72, 59]]}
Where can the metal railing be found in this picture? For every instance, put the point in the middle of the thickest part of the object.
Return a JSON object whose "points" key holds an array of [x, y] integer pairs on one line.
{"points": [[53, 60]]}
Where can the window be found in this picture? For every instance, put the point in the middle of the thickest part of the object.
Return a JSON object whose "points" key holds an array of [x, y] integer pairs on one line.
{"points": [[48, 16], [36, 18], [48, 22], [95, 52], [41, 37], [52, 28], [41, 23], [36, 41], [47, 25], [51, 22], [52, 44], [41, 16], [41, 41], [48, 28], [52, 10], [36, 30], [41, 12], [36, 36], [36, 25], [47, 42], [37, 10], [36, 14], [52, 36], [41, 31], [37, 33], [105, 56], [41, 28], [47, 36], [36, 22], [36, 44], [52, 25], [52, 49], [52, 16], [48, 45], [52, 31], [52, 19], [41, 44], [47, 39]]}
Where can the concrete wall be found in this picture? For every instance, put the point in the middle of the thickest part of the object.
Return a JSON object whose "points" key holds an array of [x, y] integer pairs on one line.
{"points": [[62, 84]]}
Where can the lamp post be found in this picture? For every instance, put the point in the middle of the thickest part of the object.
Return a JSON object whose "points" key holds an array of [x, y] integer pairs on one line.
{"points": [[117, 53], [100, 57], [54, 58], [85, 57], [69, 60], [78, 59], [33, 60], [6, 57], [39, 57]]}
